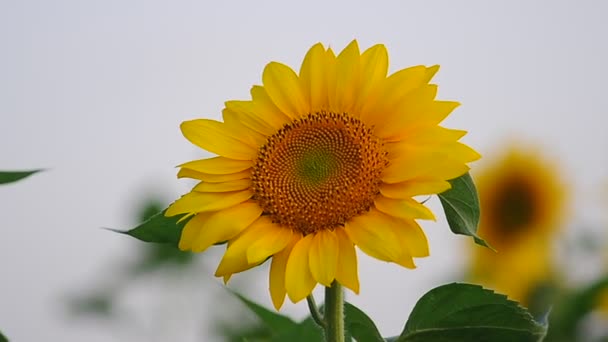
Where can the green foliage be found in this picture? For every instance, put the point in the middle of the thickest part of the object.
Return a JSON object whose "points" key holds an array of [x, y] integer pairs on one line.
{"points": [[461, 207], [571, 308], [305, 331], [280, 328], [101, 302], [159, 255], [13, 176], [359, 325], [3, 338], [277, 323], [453, 312], [465, 312], [159, 229]]}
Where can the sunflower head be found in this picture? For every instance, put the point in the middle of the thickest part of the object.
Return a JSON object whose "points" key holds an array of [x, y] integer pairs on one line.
{"points": [[522, 206], [521, 195], [331, 162], [318, 162]]}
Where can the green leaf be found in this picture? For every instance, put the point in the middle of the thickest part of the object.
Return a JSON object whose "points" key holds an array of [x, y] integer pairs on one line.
{"points": [[3, 338], [279, 324], [156, 256], [13, 176], [359, 325], [159, 229], [305, 331], [461, 207], [465, 312]]}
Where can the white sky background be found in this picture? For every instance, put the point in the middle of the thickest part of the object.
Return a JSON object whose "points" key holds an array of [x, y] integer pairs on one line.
{"points": [[95, 92]]}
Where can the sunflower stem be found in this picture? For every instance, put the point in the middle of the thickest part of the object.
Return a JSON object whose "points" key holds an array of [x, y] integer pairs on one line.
{"points": [[334, 313], [314, 312]]}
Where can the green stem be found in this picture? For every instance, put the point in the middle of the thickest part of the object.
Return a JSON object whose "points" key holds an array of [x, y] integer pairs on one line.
{"points": [[334, 313], [314, 312]]}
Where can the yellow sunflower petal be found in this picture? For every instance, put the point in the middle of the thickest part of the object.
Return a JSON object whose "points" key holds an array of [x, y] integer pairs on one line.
{"points": [[323, 257], [235, 122], [313, 77], [411, 235], [449, 169], [347, 273], [244, 111], [411, 162], [374, 67], [196, 202], [406, 112], [347, 79], [432, 135], [373, 234], [265, 109], [403, 208], [330, 77], [187, 173], [277, 272], [451, 150], [427, 116], [283, 87], [225, 224], [235, 257], [414, 187], [272, 239], [394, 89], [232, 265], [218, 165], [461, 152], [299, 282], [191, 231], [439, 110], [430, 72], [234, 185], [214, 137], [445, 161], [218, 178], [406, 260], [401, 83]]}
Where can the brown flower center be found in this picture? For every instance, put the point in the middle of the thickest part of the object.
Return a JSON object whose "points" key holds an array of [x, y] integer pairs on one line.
{"points": [[318, 171], [515, 207]]}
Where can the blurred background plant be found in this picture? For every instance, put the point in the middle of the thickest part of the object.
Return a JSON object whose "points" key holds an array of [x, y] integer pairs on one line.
{"points": [[525, 208], [176, 272]]}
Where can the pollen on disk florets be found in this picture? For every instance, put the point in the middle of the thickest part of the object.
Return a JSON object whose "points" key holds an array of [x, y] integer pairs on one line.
{"points": [[318, 171]]}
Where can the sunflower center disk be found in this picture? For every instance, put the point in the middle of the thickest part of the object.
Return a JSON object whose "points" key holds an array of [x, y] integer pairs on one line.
{"points": [[515, 208], [318, 171]]}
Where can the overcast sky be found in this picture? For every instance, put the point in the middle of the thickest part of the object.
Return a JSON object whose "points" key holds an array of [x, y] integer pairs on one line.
{"points": [[95, 92]]}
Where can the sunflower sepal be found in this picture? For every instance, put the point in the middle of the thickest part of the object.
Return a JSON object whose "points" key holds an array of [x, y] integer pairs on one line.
{"points": [[158, 229], [461, 207]]}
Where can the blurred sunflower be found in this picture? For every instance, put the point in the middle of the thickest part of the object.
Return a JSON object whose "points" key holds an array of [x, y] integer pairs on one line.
{"points": [[318, 162], [522, 207]]}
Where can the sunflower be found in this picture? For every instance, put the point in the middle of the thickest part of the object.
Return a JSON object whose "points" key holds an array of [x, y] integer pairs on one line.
{"points": [[522, 206], [318, 162]]}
